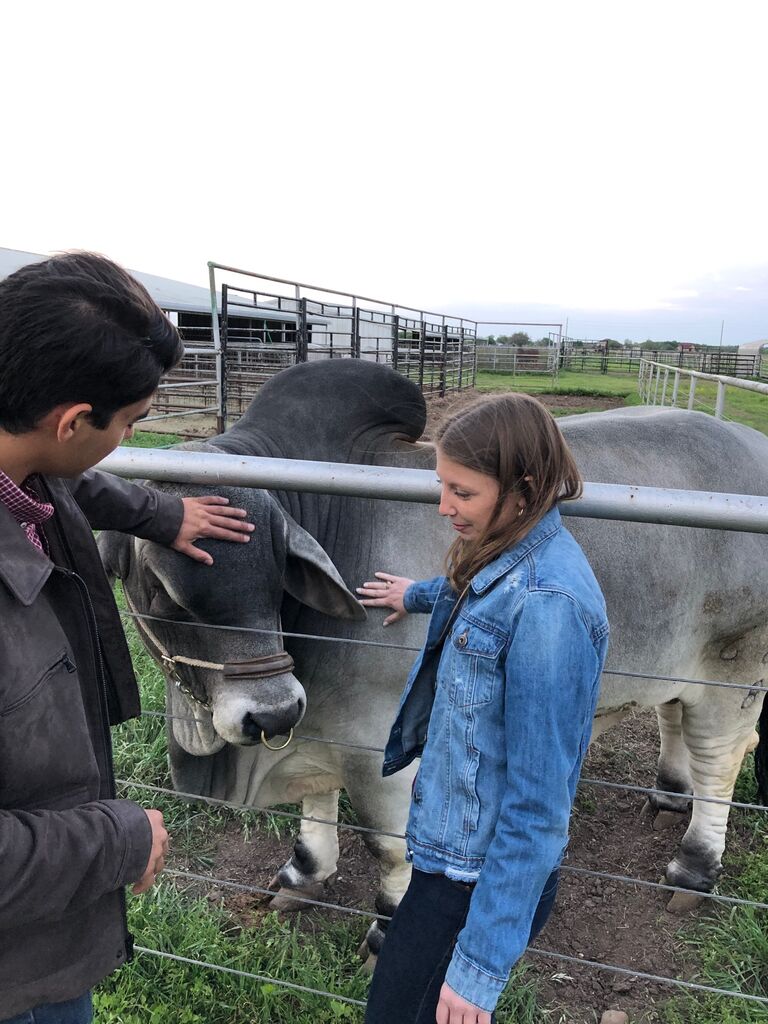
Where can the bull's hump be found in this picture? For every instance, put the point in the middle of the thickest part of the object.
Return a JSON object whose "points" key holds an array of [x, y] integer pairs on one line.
{"points": [[329, 410]]}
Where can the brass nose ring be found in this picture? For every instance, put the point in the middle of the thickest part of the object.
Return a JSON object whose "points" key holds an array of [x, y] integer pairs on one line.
{"points": [[282, 746]]}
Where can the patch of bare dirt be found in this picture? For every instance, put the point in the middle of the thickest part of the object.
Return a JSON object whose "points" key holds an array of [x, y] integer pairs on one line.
{"points": [[594, 919], [439, 409]]}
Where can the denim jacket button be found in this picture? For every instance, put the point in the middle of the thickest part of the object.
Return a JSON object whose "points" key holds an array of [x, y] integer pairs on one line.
{"points": [[461, 641]]}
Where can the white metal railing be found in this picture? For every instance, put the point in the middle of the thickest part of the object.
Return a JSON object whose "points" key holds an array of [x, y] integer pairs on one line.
{"points": [[653, 375], [601, 501]]}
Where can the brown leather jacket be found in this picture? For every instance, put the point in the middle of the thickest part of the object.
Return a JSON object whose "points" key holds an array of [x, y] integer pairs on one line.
{"points": [[67, 847]]}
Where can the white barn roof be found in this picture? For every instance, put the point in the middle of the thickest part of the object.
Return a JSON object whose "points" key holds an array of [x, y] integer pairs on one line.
{"points": [[753, 346], [167, 293]]}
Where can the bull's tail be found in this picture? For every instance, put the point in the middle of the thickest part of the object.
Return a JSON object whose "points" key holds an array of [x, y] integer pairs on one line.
{"points": [[761, 755]]}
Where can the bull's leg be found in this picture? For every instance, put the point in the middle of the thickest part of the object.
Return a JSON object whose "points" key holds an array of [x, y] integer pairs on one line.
{"points": [[717, 737], [315, 854], [674, 774], [382, 804]]}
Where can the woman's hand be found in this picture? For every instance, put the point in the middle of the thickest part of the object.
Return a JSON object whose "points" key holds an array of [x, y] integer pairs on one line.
{"points": [[386, 591], [452, 1009]]}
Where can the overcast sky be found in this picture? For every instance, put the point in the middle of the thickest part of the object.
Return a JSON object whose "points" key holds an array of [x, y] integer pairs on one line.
{"points": [[604, 162]]}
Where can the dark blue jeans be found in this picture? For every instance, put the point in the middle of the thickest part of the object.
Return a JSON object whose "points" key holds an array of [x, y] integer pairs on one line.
{"points": [[419, 945], [74, 1011]]}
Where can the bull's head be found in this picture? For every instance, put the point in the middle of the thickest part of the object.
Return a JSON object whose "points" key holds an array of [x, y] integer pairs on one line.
{"points": [[245, 691]]}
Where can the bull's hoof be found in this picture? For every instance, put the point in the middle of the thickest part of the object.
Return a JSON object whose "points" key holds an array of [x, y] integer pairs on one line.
{"points": [[288, 901], [682, 903], [667, 819], [368, 958], [662, 818]]}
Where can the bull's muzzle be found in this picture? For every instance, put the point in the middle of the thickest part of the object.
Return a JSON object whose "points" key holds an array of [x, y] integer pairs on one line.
{"points": [[262, 668]]}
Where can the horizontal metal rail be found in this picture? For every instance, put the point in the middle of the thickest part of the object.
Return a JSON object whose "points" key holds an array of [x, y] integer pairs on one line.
{"points": [[625, 786], [394, 306], [567, 869], [701, 509], [263, 978], [612, 968], [169, 416], [199, 383], [215, 802], [658, 978], [751, 687], [735, 382]]}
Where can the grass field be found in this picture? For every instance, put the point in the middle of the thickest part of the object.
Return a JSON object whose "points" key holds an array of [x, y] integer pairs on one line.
{"points": [[732, 946], [741, 406]]}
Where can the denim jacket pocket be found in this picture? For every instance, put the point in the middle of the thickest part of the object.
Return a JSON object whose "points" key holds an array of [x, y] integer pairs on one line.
{"points": [[475, 653]]}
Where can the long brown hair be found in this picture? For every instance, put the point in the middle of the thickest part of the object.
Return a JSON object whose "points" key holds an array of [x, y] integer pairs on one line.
{"points": [[515, 440]]}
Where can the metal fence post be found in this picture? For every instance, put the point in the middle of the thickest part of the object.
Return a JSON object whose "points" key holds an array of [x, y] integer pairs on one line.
{"points": [[216, 336], [355, 353], [422, 353], [395, 340], [720, 403], [221, 363], [443, 360], [302, 339], [692, 393], [675, 388], [664, 388]]}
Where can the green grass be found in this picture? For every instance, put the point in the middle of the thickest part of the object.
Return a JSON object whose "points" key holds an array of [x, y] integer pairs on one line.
{"points": [[747, 407], [153, 990], [566, 383], [150, 439]]}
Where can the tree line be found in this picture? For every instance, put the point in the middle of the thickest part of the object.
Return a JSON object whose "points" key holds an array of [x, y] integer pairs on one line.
{"points": [[522, 338]]}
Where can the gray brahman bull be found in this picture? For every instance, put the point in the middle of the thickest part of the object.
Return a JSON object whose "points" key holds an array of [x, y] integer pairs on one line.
{"points": [[682, 603]]}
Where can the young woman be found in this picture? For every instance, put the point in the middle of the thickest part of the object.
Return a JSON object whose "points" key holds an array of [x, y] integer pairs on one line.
{"points": [[499, 707]]}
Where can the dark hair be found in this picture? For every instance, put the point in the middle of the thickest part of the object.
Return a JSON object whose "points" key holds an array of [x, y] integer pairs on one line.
{"points": [[78, 328], [515, 440]]}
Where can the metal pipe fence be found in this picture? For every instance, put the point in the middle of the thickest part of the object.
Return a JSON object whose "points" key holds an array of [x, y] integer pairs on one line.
{"points": [[663, 505], [652, 372], [735, 512]]}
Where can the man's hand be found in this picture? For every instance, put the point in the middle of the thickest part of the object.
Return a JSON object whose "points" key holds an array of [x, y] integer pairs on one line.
{"points": [[210, 517], [386, 591], [157, 854], [452, 1009]]}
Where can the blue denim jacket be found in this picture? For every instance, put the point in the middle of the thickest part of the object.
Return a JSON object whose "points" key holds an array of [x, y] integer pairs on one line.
{"points": [[508, 701]]}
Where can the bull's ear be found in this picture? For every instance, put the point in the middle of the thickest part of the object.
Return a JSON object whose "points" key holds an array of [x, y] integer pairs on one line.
{"points": [[115, 551], [312, 578]]}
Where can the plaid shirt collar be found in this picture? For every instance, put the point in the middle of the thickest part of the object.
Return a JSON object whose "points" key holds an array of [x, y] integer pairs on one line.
{"points": [[25, 507]]}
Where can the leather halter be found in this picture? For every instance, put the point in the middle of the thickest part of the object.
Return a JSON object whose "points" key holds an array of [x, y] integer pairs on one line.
{"points": [[265, 666]]}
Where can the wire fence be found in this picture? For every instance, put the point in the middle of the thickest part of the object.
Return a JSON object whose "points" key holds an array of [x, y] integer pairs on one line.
{"points": [[304, 900]]}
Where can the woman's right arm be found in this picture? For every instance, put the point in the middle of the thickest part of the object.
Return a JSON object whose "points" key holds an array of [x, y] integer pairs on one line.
{"points": [[400, 593]]}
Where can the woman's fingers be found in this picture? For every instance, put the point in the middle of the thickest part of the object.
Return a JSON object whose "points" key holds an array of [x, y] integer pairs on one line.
{"points": [[385, 591]]}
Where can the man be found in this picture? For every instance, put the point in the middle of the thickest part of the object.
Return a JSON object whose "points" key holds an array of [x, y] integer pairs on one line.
{"points": [[82, 349]]}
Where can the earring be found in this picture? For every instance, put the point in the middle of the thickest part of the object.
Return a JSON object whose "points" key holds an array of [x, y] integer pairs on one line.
{"points": [[521, 511]]}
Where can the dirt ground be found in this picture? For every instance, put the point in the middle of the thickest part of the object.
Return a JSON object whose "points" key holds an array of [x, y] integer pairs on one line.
{"points": [[594, 919], [439, 409]]}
